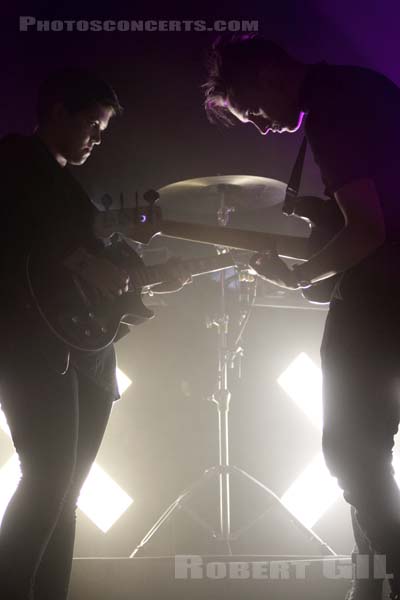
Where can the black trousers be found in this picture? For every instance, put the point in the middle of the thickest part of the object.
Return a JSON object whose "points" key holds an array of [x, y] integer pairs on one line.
{"points": [[57, 424], [360, 357]]}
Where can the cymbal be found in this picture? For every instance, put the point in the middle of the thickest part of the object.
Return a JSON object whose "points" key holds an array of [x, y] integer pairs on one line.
{"points": [[203, 194]]}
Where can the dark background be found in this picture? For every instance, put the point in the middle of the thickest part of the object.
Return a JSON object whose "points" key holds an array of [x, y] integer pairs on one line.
{"points": [[163, 432]]}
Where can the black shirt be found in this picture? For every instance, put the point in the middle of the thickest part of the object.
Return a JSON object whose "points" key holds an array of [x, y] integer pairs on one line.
{"points": [[353, 127], [41, 203]]}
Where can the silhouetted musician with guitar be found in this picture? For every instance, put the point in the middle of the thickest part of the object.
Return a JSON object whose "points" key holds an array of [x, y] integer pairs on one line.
{"points": [[58, 369], [352, 123]]}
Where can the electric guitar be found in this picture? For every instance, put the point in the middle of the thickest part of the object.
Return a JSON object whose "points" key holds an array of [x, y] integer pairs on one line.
{"points": [[80, 316], [323, 217]]}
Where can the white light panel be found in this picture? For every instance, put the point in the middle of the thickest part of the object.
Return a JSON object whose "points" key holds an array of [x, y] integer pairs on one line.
{"points": [[10, 474], [315, 490], [102, 499], [302, 381], [123, 381], [312, 493]]}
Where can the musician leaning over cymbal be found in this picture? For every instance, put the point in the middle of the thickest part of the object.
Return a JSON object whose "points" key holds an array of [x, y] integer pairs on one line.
{"points": [[57, 418], [352, 122]]}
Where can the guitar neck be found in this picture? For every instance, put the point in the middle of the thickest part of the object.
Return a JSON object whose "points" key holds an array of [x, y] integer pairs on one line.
{"points": [[239, 239], [147, 276], [126, 223]]}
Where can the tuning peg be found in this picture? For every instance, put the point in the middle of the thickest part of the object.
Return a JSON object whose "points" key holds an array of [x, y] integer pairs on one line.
{"points": [[106, 201], [151, 196]]}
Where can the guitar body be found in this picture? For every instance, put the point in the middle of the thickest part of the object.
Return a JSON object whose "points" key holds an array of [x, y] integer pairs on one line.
{"points": [[325, 220], [76, 313], [82, 318]]}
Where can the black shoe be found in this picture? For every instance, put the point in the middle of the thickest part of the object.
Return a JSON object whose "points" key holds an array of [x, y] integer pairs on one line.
{"points": [[394, 585], [364, 589], [394, 596]]}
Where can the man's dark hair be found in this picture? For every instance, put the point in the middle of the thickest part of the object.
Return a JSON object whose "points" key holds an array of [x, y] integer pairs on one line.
{"points": [[77, 89], [233, 63]]}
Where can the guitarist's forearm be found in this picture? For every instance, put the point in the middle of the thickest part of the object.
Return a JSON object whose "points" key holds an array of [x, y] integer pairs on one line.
{"points": [[346, 249]]}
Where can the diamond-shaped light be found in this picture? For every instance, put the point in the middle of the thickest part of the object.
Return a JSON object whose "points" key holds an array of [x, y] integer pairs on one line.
{"points": [[10, 474], [3, 424], [102, 499], [302, 381], [123, 381], [312, 493], [315, 490]]}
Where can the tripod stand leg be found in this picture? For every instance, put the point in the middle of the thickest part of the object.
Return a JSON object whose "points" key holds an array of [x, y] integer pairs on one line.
{"points": [[275, 500], [177, 504]]}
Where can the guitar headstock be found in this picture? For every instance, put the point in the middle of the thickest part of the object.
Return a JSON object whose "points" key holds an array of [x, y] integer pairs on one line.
{"points": [[139, 224]]}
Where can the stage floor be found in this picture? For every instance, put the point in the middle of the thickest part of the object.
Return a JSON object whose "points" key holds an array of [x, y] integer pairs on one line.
{"points": [[211, 578]]}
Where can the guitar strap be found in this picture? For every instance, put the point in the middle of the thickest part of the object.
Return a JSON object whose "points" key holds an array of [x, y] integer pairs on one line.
{"points": [[293, 186]]}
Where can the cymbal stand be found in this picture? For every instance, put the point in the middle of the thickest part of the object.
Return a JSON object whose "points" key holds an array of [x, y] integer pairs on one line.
{"points": [[227, 359]]}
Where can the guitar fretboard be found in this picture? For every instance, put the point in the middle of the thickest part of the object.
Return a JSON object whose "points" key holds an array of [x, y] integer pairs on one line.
{"points": [[145, 276], [285, 245]]}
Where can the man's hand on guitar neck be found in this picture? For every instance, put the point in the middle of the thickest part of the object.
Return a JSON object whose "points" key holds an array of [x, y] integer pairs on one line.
{"points": [[100, 273], [181, 278], [274, 270]]}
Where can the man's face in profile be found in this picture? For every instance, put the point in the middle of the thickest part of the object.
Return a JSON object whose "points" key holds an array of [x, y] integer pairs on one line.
{"points": [[265, 103], [79, 132]]}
